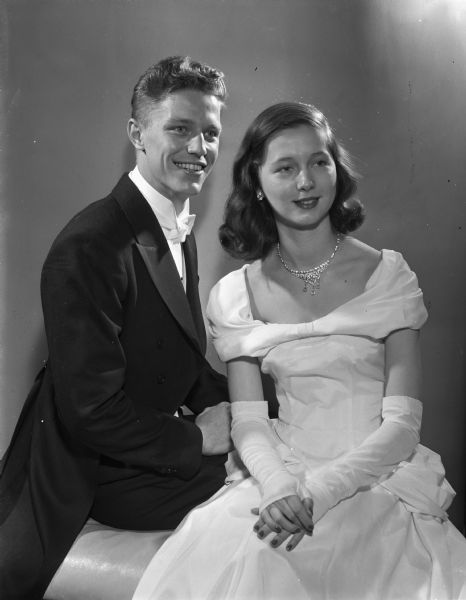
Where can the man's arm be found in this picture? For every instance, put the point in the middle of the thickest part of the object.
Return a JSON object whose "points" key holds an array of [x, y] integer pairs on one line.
{"points": [[209, 400], [84, 287]]}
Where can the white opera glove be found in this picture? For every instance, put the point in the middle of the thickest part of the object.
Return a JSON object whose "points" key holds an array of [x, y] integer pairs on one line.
{"points": [[254, 439], [379, 455]]}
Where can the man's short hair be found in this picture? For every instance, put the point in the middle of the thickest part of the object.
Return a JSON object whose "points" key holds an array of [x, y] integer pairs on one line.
{"points": [[172, 74]]}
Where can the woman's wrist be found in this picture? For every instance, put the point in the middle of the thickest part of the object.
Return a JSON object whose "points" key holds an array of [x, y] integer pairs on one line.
{"points": [[281, 485]]}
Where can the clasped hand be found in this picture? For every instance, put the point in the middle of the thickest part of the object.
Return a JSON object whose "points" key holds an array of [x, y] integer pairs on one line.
{"points": [[289, 518]]}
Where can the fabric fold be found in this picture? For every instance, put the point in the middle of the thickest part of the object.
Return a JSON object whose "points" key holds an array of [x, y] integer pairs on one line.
{"points": [[421, 485], [391, 300]]}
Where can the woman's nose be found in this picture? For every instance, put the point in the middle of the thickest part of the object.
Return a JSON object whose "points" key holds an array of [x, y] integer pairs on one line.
{"points": [[305, 181], [197, 145]]}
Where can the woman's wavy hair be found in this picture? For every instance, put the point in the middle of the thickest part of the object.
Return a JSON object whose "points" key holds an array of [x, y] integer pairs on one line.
{"points": [[249, 230]]}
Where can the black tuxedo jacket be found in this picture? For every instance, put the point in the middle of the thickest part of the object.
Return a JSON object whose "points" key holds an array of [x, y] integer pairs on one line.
{"points": [[126, 350]]}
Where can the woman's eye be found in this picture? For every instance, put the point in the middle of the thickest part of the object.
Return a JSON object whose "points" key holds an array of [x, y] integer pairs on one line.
{"points": [[180, 129], [284, 169], [323, 162], [212, 134]]}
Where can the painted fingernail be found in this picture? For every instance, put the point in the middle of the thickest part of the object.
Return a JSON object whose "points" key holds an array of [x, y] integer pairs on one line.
{"points": [[273, 543], [289, 547], [256, 528], [278, 529], [260, 534]]}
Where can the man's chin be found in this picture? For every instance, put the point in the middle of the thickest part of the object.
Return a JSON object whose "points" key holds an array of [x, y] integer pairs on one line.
{"points": [[194, 188]]}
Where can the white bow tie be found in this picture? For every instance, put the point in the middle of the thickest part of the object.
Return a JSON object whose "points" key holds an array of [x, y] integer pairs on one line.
{"points": [[182, 229]]}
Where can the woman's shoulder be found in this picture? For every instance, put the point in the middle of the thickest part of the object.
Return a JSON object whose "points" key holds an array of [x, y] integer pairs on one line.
{"points": [[361, 252], [230, 318], [373, 260], [230, 294], [357, 261], [380, 269], [235, 279]]}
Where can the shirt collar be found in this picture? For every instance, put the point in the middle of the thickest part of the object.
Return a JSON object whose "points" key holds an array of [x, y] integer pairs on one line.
{"points": [[163, 208]]}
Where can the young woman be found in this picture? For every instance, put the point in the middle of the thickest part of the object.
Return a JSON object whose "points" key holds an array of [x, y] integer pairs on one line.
{"points": [[349, 504]]}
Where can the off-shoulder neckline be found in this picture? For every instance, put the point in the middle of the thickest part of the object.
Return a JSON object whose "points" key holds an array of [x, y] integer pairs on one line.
{"points": [[369, 283]]}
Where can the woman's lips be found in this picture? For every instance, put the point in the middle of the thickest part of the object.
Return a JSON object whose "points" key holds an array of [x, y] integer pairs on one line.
{"points": [[307, 202]]}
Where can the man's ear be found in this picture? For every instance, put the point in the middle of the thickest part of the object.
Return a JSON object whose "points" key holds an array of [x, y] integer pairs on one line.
{"points": [[134, 131]]}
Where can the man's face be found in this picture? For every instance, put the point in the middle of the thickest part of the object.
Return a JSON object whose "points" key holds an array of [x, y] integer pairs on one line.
{"points": [[179, 139]]}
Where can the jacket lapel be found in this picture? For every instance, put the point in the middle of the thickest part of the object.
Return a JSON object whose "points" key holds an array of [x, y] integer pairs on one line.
{"points": [[192, 288], [154, 250]]}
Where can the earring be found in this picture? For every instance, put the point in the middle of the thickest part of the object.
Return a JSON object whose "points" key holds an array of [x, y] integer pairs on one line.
{"points": [[260, 195]]}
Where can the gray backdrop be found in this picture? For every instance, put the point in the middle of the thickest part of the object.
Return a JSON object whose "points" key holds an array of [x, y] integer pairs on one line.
{"points": [[389, 74]]}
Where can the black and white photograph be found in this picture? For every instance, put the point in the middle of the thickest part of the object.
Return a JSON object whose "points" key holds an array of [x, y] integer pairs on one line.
{"points": [[232, 300]]}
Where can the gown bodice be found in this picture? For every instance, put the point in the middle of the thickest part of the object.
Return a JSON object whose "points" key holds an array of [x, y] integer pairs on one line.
{"points": [[328, 373]]}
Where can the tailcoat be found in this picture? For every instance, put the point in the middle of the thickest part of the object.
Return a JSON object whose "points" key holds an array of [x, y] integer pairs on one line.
{"points": [[126, 351]]}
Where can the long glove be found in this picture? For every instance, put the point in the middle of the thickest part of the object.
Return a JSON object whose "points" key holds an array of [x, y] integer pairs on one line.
{"points": [[379, 454], [253, 438]]}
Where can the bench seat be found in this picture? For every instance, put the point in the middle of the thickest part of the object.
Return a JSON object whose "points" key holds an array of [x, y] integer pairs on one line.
{"points": [[104, 563]]}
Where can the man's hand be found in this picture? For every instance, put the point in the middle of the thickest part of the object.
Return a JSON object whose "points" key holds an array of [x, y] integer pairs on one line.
{"points": [[215, 425], [289, 518]]}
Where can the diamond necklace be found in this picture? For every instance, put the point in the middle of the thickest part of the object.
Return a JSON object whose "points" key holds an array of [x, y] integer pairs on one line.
{"points": [[311, 277]]}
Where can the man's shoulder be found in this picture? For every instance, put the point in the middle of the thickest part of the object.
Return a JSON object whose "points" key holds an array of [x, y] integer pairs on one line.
{"points": [[99, 215], [99, 221]]}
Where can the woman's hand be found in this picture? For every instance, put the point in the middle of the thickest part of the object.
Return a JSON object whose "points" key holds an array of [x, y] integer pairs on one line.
{"points": [[289, 517]]}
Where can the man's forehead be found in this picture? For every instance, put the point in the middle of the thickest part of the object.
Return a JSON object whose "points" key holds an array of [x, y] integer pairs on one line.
{"points": [[187, 104]]}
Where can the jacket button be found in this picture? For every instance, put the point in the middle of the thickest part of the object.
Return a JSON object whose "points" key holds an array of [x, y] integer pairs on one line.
{"points": [[161, 379]]}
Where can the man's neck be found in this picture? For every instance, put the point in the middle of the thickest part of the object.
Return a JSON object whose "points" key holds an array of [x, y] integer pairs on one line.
{"points": [[154, 197]]}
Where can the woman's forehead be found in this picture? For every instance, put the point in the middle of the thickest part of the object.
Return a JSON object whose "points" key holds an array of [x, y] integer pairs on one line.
{"points": [[294, 140]]}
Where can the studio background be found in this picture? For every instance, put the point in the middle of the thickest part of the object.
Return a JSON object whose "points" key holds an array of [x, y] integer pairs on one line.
{"points": [[389, 74]]}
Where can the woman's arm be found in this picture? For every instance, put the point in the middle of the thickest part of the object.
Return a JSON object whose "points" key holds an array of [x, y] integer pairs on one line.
{"points": [[281, 507], [244, 380], [395, 439], [403, 364], [251, 432]]}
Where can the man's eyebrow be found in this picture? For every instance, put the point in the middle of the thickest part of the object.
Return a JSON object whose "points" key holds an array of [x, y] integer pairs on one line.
{"points": [[182, 120]]}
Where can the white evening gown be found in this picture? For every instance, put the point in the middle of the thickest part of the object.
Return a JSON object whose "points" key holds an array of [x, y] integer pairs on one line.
{"points": [[389, 541]]}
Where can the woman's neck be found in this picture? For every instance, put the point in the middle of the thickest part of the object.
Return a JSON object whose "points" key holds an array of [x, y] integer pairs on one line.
{"points": [[304, 249]]}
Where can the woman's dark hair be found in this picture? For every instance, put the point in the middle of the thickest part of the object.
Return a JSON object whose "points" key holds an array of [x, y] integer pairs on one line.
{"points": [[249, 229]]}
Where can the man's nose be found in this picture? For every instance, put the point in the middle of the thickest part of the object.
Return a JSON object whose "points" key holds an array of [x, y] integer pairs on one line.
{"points": [[197, 145]]}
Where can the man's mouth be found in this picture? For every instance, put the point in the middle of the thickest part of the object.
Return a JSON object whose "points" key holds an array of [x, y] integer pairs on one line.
{"points": [[191, 167]]}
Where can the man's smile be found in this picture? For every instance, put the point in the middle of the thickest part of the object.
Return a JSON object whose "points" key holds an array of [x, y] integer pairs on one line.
{"points": [[192, 168]]}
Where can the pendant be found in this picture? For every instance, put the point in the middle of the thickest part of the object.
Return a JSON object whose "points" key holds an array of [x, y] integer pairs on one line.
{"points": [[313, 287]]}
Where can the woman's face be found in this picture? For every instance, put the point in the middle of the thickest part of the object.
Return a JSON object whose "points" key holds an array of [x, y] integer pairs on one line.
{"points": [[298, 177]]}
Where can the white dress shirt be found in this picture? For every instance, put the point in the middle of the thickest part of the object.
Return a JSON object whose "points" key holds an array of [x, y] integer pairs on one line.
{"points": [[165, 212]]}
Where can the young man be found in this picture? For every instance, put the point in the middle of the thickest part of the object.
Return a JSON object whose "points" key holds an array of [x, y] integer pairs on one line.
{"points": [[102, 433]]}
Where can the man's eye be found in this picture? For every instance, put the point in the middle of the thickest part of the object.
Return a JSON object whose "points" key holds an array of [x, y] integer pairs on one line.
{"points": [[180, 129]]}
